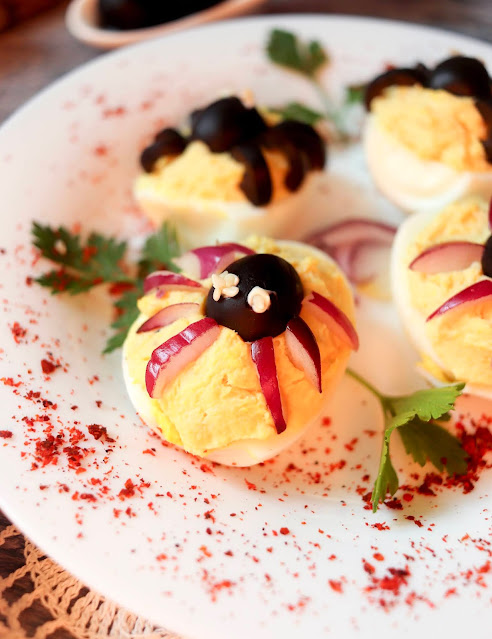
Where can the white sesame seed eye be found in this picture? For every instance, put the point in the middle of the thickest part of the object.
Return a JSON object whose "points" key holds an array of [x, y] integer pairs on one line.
{"points": [[259, 299], [224, 285]]}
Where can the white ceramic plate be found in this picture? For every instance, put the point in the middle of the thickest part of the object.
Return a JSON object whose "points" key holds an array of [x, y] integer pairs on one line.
{"points": [[200, 549], [82, 22]]}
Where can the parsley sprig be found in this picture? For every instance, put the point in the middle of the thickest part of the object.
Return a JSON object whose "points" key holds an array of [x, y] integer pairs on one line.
{"points": [[83, 264], [309, 58], [414, 417]]}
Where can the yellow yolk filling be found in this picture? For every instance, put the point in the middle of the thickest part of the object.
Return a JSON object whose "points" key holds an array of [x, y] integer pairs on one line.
{"points": [[197, 173], [217, 399], [462, 337], [435, 125]]}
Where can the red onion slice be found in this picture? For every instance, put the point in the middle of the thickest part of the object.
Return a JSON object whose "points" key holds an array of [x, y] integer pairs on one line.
{"points": [[203, 261], [334, 318], [171, 357], [447, 257], [168, 315], [352, 243], [224, 262], [166, 280], [303, 350], [353, 231], [472, 293], [263, 356]]}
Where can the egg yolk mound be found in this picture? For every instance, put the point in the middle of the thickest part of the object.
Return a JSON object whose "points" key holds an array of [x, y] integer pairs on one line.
{"points": [[461, 338], [217, 400], [435, 125], [199, 173]]}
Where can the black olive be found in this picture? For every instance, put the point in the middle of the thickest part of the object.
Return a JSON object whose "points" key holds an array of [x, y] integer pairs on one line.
{"points": [[125, 14], [487, 258], [276, 138], [256, 183], [225, 123], [304, 138], [394, 77], [271, 273], [137, 14], [166, 142], [461, 76], [484, 107], [165, 10]]}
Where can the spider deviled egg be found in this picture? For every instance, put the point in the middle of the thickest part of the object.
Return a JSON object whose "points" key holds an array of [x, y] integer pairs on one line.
{"points": [[231, 172], [235, 357], [428, 135], [441, 276]]}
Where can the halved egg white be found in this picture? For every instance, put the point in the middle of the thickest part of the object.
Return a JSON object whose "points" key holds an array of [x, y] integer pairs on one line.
{"points": [[245, 452], [414, 184], [413, 321], [203, 221]]}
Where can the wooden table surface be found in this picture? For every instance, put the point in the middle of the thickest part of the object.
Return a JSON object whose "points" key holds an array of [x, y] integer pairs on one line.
{"points": [[37, 52]]}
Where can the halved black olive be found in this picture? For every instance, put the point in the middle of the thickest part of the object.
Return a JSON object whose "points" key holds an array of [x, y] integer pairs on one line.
{"points": [[461, 76], [304, 138], [276, 138], [225, 123], [256, 183], [166, 142], [487, 258], [394, 77], [484, 107]]}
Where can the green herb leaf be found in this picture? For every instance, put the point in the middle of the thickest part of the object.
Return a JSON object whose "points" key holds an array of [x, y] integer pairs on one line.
{"points": [[300, 112], [387, 479], [159, 251], [354, 94], [413, 416], [410, 414], [428, 441], [61, 281], [127, 313], [286, 49], [84, 265], [431, 403], [81, 266], [102, 257]]}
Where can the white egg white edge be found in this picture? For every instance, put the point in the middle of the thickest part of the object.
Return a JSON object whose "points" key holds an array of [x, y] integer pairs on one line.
{"points": [[412, 320], [414, 184], [203, 222], [246, 452]]}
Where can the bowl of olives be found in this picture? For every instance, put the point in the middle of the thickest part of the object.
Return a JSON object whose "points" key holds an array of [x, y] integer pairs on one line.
{"points": [[108, 24]]}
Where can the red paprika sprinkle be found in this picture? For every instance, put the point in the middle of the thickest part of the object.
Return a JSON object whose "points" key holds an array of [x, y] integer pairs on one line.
{"points": [[47, 366], [6, 434]]}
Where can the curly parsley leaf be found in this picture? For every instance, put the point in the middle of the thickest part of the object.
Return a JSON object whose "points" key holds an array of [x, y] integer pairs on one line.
{"points": [[126, 313], [83, 265], [285, 49], [413, 416], [159, 248]]}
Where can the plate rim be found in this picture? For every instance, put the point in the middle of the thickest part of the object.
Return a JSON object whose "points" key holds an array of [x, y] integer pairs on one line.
{"points": [[267, 19]]}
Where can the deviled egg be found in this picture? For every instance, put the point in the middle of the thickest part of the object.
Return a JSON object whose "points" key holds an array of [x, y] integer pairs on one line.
{"points": [[233, 361], [428, 134], [232, 173], [441, 275]]}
